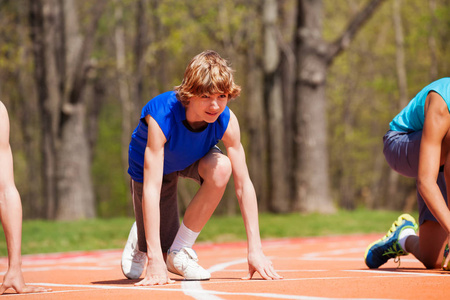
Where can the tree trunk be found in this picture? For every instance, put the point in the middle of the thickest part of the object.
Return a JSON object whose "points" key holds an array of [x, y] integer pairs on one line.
{"points": [[42, 34], [434, 71], [288, 74], [392, 191], [257, 158], [61, 56], [74, 185], [124, 94], [31, 193], [140, 46], [274, 111], [314, 56], [311, 173]]}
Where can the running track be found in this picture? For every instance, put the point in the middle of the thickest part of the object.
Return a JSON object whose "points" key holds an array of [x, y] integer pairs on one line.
{"points": [[313, 268]]}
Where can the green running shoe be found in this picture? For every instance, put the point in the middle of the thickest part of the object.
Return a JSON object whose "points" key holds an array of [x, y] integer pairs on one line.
{"points": [[379, 252]]}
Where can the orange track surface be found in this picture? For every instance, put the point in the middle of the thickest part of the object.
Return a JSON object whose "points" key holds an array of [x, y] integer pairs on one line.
{"points": [[313, 268]]}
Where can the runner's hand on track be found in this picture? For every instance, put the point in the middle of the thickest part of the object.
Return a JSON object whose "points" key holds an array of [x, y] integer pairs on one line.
{"points": [[14, 279], [258, 262], [156, 274]]}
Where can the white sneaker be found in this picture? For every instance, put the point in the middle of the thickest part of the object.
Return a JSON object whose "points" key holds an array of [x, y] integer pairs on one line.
{"points": [[133, 260], [184, 263]]}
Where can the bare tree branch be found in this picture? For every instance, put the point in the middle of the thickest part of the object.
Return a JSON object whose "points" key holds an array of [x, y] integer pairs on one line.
{"points": [[82, 65], [353, 27]]}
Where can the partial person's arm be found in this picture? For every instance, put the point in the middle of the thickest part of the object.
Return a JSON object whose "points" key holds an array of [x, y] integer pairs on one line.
{"points": [[246, 195], [153, 172], [11, 214], [434, 152]]}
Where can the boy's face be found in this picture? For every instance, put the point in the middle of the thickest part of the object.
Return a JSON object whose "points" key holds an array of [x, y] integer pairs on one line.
{"points": [[205, 109]]}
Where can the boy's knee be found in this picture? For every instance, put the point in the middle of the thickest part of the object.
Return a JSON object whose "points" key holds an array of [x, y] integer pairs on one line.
{"points": [[219, 172], [223, 171]]}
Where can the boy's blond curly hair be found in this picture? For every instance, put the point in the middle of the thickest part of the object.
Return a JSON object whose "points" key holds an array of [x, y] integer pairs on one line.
{"points": [[207, 74]]}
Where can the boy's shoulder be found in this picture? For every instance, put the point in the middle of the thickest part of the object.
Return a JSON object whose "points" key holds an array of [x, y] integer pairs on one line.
{"points": [[164, 99], [167, 100], [164, 107], [168, 96]]}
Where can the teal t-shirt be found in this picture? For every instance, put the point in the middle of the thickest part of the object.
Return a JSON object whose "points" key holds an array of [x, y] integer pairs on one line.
{"points": [[183, 146], [412, 117]]}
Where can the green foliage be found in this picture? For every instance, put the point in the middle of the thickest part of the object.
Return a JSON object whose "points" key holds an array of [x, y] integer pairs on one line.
{"points": [[362, 91], [50, 236], [110, 184]]}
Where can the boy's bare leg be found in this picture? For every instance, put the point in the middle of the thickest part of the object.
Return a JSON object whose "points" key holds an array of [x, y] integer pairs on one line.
{"points": [[215, 170]]}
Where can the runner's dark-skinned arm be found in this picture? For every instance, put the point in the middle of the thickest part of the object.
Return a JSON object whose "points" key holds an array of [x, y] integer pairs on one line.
{"points": [[434, 152]]}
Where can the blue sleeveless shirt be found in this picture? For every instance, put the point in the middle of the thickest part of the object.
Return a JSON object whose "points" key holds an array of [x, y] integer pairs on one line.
{"points": [[412, 117], [183, 146]]}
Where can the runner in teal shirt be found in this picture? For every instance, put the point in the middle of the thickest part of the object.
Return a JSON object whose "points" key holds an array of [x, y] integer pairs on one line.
{"points": [[411, 118], [418, 146]]}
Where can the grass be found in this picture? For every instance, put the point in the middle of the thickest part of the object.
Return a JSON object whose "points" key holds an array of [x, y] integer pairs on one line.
{"points": [[40, 236]]}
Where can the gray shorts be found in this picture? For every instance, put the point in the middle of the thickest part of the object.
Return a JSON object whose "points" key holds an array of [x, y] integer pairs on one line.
{"points": [[168, 205], [401, 151]]}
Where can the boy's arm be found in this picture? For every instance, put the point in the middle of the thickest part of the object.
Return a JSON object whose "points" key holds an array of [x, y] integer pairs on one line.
{"points": [[153, 173], [11, 213], [246, 195]]}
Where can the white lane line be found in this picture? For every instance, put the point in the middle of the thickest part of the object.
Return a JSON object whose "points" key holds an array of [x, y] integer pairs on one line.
{"points": [[265, 282], [44, 269], [222, 266], [195, 289], [207, 294], [398, 273], [335, 252], [278, 270]]}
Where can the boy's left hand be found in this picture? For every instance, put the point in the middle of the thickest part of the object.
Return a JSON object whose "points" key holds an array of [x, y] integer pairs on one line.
{"points": [[258, 262]]}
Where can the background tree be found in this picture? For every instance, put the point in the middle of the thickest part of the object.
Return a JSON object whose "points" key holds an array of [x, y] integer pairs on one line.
{"points": [[314, 56], [62, 60], [274, 107], [140, 49]]}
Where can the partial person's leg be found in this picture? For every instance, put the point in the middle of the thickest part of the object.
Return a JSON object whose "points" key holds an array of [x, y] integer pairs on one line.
{"points": [[215, 171], [134, 254], [169, 215], [401, 151], [136, 195], [168, 212], [429, 246]]}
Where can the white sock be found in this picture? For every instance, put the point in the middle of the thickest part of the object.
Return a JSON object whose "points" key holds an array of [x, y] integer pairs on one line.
{"points": [[404, 235], [185, 238]]}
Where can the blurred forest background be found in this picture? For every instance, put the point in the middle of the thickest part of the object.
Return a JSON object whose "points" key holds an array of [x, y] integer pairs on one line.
{"points": [[321, 81]]}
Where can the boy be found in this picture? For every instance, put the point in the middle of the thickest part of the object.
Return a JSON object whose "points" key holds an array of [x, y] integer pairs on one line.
{"points": [[11, 214], [177, 136]]}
